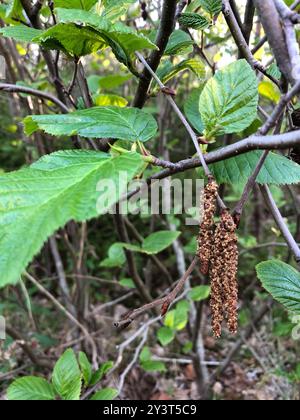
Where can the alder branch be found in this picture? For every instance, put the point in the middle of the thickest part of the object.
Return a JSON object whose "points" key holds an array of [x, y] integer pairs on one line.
{"points": [[166, 28], [123, 235], [272, 120], [164, 302], [248, 20], [270, 20], [41, 362], [240, 41], [6, 87], [281, 223], [67, 314], [271, 142], [290, 36]]}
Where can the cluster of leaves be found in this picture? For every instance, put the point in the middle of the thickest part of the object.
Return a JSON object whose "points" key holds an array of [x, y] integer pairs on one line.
{"points": [[70, 378], [64, 185]]}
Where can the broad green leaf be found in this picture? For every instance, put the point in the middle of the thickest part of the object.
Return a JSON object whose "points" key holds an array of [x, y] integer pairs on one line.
{"points": [[269, 91], [101, 372], [168, 71], [274, 71], [177, 318], [30, 388], [159, 241], [14, 10], [194, 21], [86, 368], [213, 7], [130, 124], [66, 377], [109, 100], [199, 293], [165, 335], [20, 33], [145, 355], [277, 170], [116, 257], [191, 109], [116, 8], [96, 33], [154, 366], [228, 103], [179, 43], [127, 283], [282, 281], [72, 39], [113, 81], [154, 243], [64, 186], [75, 4], [106, 394]]}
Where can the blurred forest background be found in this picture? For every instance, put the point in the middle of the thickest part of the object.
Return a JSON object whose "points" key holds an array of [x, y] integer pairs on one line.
{"points": [[176, 357]]}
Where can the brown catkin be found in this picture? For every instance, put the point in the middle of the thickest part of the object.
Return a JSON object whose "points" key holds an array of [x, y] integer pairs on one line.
{"points": [[223, 274], [206, 234]]}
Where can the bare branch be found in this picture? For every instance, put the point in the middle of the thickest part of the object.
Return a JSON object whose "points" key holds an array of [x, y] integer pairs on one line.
{"points": [[272, 25], [281, 223], [6, 87], [166, 28]]}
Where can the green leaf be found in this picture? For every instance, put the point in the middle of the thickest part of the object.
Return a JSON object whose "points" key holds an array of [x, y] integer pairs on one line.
{"points": [[109, 100], [274, 71], [93, 32], [129, 124], [228, 103], [270, 91], [199, 293], [14, 10], [191, 109], [277, 170], [116, 8], [282, 281], [100, 373], [194, 21], [113, 81], [179, 43], [177, 318], [154, 243], [106, 394], [116, 257], [75, 4], [159, 241], [63, 186], [168, 71], [127, 283], [154, 366], [66, 377], [165, 335], [145, 355], [20, 33], [30, 388], [213, 7], [85, 367]]}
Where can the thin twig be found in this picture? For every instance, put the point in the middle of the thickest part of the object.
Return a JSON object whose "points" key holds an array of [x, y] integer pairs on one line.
{"points": [[164, 302], [67, 314], [6, 87], [281, 223], [277, 113]]}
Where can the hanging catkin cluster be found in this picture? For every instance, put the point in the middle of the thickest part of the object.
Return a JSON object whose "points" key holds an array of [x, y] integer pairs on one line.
{"points": [[223, 275], [206, 235], [218, 254]]}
